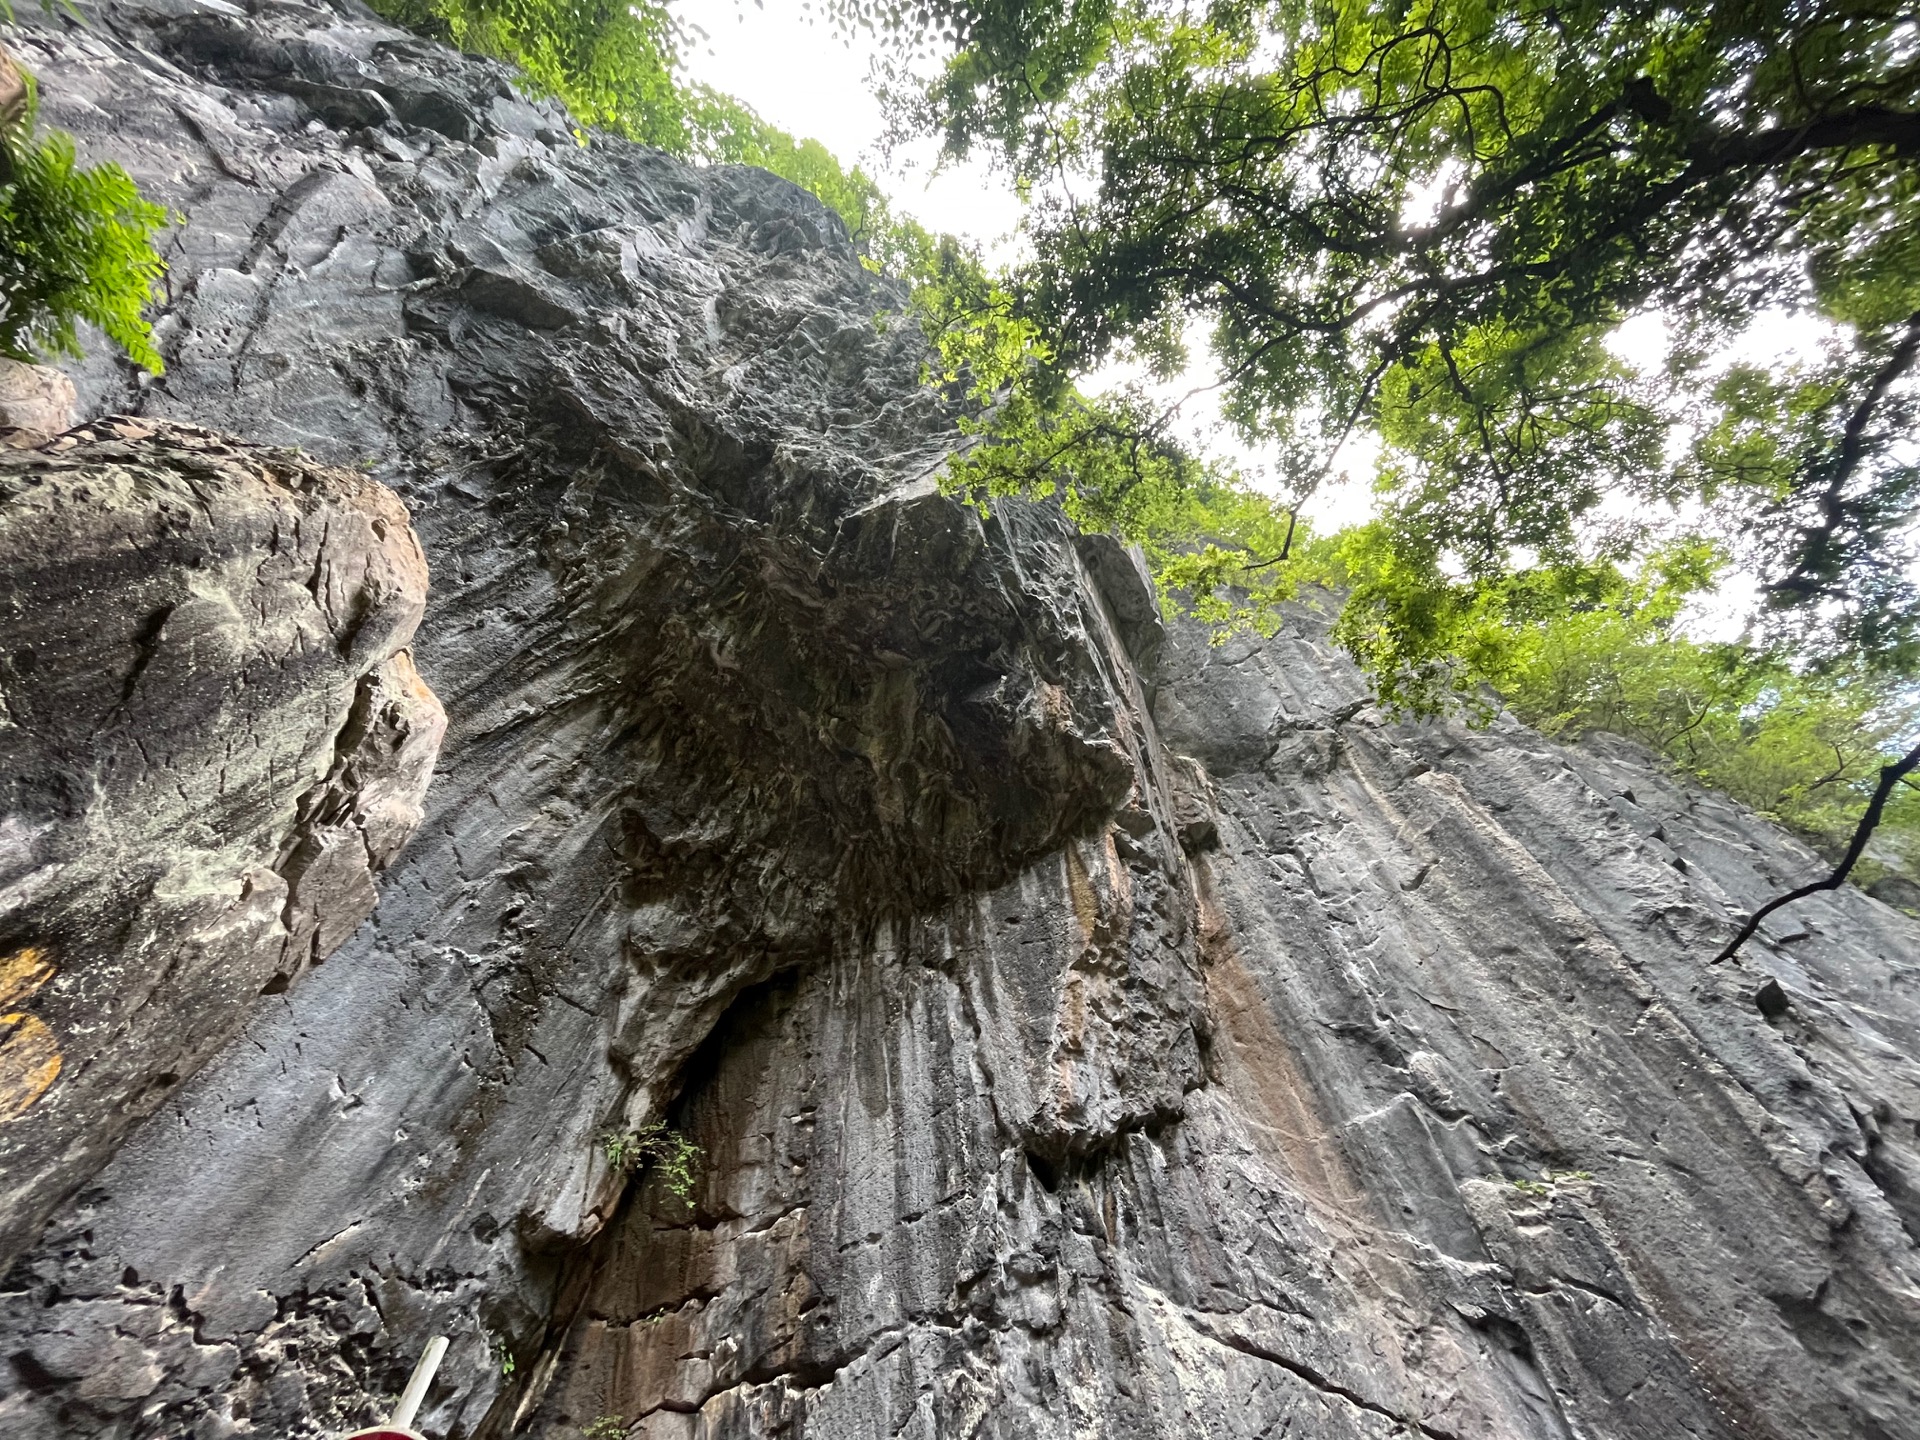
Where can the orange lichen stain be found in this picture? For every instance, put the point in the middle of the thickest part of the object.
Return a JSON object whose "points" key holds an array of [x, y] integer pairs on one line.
{"points": [[1080, 892], [22, 973], [409, 679], [29, 1055], [1055, 705], [29, 1063]]}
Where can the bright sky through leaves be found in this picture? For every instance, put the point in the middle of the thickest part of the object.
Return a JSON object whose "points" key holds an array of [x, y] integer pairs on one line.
{"points": [[804, 74]]}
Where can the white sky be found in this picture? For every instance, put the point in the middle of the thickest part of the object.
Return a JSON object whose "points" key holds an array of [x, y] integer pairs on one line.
{"points": [[802, 74]]}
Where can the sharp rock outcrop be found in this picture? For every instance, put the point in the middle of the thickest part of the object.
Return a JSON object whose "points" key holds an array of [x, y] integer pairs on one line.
{"points": [[1084, 1030]]}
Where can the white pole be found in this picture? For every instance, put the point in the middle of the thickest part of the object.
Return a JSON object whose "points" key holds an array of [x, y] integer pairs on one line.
{"points": [[416, 1390]]}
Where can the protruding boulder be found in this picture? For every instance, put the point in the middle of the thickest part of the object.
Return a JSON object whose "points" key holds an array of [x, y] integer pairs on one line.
{"points": [[211, 737]]}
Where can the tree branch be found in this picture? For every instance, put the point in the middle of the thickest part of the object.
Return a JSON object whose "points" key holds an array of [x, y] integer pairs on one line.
{"points": [[1869, 125], [1804, 579], [1890, 776], [1286, 545]]}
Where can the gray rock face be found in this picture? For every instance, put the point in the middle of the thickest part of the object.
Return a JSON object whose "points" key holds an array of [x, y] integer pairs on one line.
{"points": [[1479, 1144], [212, 740], [1068, 1053]]}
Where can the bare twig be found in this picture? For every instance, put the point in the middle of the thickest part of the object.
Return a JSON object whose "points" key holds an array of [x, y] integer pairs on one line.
{"points": [[1286, 545], [1890, 775]]}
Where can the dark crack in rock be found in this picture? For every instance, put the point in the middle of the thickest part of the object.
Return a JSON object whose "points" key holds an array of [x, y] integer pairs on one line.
{"points": [[1086, 1031]]}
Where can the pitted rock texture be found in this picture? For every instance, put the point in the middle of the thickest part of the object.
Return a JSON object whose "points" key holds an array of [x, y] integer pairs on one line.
{"points": [[1085, 1031], [212, 741]]}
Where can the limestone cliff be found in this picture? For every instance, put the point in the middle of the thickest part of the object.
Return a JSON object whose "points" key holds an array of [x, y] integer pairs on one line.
{"points": [[1085, 1031]]}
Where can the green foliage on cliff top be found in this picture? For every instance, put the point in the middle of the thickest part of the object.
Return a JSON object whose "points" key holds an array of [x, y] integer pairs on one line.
{"points": [[726, 130], [1801, 746], [1805, 750], [609, 61], [612, 64]]}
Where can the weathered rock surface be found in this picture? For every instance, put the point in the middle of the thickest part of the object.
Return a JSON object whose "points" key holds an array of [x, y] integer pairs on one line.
{"points": [[211, 738], [1480, 1146], [36, 401], [1069, 1054]]}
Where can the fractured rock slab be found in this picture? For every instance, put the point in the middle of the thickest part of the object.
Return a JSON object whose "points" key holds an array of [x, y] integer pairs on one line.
{"points": [[1072, 1048]]}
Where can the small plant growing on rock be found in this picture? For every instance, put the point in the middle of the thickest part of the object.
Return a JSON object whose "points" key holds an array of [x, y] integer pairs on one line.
{"points": [[76, 242], [1544, 1186], [607, 1427], [666, 1151]]}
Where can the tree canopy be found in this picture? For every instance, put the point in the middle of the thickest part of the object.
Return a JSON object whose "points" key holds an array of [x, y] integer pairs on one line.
{"points": [[1426, 219]]}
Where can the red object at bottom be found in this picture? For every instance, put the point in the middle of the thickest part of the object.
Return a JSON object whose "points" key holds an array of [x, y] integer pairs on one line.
{"points": [[384, 1432]]}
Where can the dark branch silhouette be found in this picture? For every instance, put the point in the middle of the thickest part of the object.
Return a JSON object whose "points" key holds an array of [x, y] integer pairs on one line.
{"points": [[1286, 545], [1817, 542], [1890, 776]]}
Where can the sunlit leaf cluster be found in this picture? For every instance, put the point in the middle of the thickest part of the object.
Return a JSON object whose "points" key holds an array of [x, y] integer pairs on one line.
{"points": [[76, 244]]}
